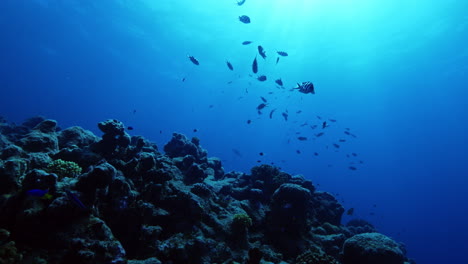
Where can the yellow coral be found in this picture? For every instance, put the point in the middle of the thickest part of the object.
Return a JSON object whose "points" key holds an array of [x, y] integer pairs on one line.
{"points": [[64, 168], [241, 221]]}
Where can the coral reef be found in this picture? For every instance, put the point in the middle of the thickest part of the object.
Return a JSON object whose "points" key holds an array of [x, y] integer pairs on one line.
{"points": [[117, 199]]}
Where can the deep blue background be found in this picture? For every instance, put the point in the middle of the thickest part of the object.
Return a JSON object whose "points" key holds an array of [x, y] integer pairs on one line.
{"points": [[394, 72]]}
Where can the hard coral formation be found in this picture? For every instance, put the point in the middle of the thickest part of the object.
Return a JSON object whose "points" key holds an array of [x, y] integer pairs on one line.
{"points": [[369, 248], [134, 204], [64, 168]]}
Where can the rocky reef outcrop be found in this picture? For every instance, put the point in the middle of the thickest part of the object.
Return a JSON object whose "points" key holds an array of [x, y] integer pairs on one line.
{"points": [[68, 196]]}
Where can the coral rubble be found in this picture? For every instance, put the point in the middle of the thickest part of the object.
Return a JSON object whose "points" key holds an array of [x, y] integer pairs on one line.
{"points": [[117, 199]]}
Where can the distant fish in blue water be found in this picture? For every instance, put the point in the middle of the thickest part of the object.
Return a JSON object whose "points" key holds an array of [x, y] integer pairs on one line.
{"points": [[319, 134], [263, 99], [262, 52], [229, 65], [255, 65], [302, 138], [193, 60], [75, 199], [305, 87], [324, 124], [241, 2], [44, 194], [129, 128], [350, 211], [244, 19], [352, 168], [237, 152], [277, 59], [279, 82], [282, 53], [285, 116], [271, 113], [262, 78], [247, 42]]}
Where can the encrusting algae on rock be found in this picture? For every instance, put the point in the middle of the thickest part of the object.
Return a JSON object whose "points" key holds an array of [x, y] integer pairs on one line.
{"points": [[117, 199]]}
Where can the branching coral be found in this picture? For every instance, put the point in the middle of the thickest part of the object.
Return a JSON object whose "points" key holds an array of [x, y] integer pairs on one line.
{"points": [[64, 168]]}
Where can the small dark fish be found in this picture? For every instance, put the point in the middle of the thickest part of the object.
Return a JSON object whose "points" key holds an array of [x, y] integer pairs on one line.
{"points": [[350, 211], [229, 82], [303, 125], [262, 78], [352, 168], [298, 151], [285, 115], [279, 82], [75, 199], [342, 140], [195, 130], [247, 42], [361, 162], [271, 113], [134, 110], [259, 161], [347, 133], [261, 106], [354, 154], [183, 79], [44, 194], [210, 106], [244, 19], [263, 99], [298, 111], [298, 133], [229, 65], [316, 154], [313, 126], [319, 117], [193, 60], [160, 131], [319, 134], [241, 2], [332, 120], [302, 138], [336, 145], [277, 60], [261, 154], [324, 124], [249, 121], [130, 128], [282, 53], [262, 52], [255, 65]]}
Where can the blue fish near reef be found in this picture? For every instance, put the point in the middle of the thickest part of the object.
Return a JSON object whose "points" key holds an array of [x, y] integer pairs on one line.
{"points": [[75, 199], [43, 194], [244, 19]]}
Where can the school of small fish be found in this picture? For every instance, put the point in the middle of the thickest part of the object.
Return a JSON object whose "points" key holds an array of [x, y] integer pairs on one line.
{"points": [[305, 87]]}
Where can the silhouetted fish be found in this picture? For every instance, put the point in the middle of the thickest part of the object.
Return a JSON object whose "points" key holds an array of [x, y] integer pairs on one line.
{"points": [[241, 2], [244, 19], [336, 145], [352, 168], [229, 65], [332, 120], [255, 65], [263, 99], [279, 82], [350, 211], [247, 42], [262, 78], [285, 116], [298, 151], [342, 140], [277, 60], [193, 60], [129, 128], [249, 121], [262, 52], [261, 106], [319, 134], [282, 53], [302, 138], [324, 124], [271, 113]]}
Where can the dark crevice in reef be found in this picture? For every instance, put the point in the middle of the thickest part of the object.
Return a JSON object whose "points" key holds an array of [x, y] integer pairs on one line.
{"points": [[68, 196]]}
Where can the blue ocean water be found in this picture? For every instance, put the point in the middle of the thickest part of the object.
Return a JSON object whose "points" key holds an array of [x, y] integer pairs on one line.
{"points": [[393, 72]]}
